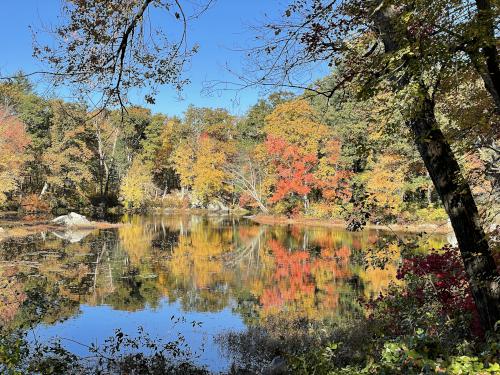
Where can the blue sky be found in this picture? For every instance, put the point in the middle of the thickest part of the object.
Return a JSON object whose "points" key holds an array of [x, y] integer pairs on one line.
{"points": [[220, 29]]}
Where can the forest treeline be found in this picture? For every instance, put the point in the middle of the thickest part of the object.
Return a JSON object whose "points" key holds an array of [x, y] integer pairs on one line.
{"points": [[346, 158]]}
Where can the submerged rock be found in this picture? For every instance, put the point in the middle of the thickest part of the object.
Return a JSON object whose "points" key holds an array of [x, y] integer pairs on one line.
{"points": [[72, 219]]}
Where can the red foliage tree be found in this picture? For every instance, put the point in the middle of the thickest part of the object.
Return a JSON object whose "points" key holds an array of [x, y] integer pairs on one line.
{"points": [[294, 169], [13, 136]]}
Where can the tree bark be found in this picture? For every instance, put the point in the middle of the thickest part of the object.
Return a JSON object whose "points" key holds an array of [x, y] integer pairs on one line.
{"points": [[490, 70], [44, 189], [459, 203]]}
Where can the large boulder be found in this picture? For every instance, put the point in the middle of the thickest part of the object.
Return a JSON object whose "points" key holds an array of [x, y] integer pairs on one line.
{"points": [[71, 220]]}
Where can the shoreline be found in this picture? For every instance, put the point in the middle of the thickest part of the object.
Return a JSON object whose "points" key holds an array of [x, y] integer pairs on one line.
{"points": [[20, 228], [437, 228], [16, 227]]}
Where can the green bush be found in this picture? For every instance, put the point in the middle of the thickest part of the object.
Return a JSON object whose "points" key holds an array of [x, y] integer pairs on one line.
{"points": [[431, 215]]}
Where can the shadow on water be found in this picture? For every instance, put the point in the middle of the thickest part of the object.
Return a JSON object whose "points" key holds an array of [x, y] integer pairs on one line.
{"points": [[223, 272]]}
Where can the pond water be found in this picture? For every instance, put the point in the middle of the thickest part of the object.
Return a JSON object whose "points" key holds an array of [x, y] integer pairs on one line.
{"points": [[197, 276]]}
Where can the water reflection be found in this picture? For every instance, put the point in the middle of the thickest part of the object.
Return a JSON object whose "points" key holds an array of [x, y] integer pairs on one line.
{"points": [[225, 270]]}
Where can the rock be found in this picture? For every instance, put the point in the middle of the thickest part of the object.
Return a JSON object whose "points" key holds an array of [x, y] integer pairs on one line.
{"points": [[217, 205], [278, 366], [2, 230], [71, 219]]}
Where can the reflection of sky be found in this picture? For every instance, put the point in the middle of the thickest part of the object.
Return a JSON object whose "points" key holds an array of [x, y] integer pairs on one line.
{"points": [[96, 323]]}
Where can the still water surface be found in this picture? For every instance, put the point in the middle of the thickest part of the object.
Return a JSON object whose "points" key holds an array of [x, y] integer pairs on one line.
{"points": [[220, 271]]}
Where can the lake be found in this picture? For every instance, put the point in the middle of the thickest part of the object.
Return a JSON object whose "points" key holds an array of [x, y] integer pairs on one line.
{"points": [[198, 276]]}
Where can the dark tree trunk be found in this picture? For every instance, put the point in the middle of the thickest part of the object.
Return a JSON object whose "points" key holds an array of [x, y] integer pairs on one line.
{"points": [[490, 69], [459, 203]]}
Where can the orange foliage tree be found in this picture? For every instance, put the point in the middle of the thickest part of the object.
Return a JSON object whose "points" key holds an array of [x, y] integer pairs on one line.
{"points": [[294, 169]]}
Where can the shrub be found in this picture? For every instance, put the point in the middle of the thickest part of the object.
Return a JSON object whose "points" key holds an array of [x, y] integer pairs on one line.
{"points": [[325, 211], [431, 215], [171, 201], [33, 204], [435, 296]]}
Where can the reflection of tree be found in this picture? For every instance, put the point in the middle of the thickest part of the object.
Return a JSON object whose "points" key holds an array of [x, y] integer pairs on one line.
{"points": [[12, 295], [304, 285], [197, 268], [206, 263]]}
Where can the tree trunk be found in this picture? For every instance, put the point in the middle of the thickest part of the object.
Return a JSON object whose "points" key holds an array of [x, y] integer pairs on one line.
{"points": [[459, 203], [449, 183], [44, 189], [111, 167], [263, 208], [490, 69], [165, 190]]}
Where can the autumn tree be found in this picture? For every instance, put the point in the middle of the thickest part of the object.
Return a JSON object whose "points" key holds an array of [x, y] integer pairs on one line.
{"points": [[296, 122], [210, 176], [104, 146], [132, 122], [250, 127], [162, 137], [206, 144], [294, 171], [108, 49], [13, 142], [35, 112], [67, 160], [137, 187], [407, 48], [333, 174], [247, 173], [305, 154]]}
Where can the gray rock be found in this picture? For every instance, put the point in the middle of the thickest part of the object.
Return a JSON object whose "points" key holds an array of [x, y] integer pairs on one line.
{"points": [[217, 205], [71, 219]]}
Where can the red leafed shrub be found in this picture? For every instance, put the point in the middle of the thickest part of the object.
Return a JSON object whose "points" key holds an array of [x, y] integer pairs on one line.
{"points": [[435, 294], [445, 270], [32, 204]]}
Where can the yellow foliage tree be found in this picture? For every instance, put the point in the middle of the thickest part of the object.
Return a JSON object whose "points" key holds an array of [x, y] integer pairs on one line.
{"points": [[385, 183], [208, 170], [137, 184], [296, 122], [183, 159]]}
